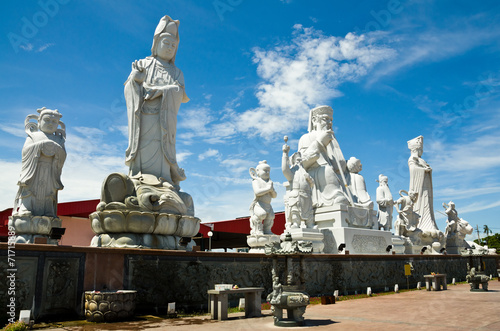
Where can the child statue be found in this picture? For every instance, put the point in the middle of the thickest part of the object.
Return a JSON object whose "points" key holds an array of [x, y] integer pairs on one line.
{"points": [[407, 219], [298, 199], [385, 204], [261, 211], [43, 158]]}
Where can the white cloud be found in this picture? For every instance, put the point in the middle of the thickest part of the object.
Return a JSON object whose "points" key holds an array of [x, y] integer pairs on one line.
{"points": [[237, 166], [478, 154], [434, 44], [305, 73], [181, 156], [208, 153], [14, 129]]}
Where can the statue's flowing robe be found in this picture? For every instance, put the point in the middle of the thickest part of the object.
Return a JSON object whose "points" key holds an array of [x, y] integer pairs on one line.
{"points": [[385, 206], [153, 123], [421, 182], [43, 158], [325, 171]]}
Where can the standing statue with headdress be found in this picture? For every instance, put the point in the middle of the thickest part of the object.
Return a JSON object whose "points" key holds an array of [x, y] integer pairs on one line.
{"points": [[385, 203], [147, 207], [421, 183], [43, 156], [329, 168], [154, 92]]}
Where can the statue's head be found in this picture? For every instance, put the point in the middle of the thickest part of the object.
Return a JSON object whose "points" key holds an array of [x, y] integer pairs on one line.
{"points": [[263, 170], [451, 204], [354, 165], [296, 158], [382, 179], [166, 39], [49, 120], [320, 118], [416, 145], [413, 195]]}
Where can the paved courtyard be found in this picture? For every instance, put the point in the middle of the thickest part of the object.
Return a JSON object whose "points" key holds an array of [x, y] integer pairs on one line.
{"points": [[454, 309]]}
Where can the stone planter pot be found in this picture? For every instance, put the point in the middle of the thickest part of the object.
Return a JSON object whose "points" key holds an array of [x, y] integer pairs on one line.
{"points": [[109, 306]]}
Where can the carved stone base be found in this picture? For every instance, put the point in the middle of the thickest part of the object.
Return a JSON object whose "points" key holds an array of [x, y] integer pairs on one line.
{"points": [[339, 215], [306, 234], [141, 240], [398, 244], [28, 228], [356, 241], [142, 229], [257, 242], [454, 245], [109, 306]]}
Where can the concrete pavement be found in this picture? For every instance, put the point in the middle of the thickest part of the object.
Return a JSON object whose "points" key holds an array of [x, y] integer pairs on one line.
{"points": [[454, 309]]}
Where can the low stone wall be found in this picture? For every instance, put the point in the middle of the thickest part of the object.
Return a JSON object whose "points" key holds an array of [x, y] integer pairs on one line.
{"points": [[54, 278]]}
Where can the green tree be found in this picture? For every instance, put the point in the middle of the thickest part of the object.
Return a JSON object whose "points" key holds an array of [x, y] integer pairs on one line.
{"points": [[487, 231], [493, 241]]}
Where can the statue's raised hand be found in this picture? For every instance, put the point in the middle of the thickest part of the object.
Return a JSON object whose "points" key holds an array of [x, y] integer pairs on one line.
{"points": [[138, 72], [324, 137]]}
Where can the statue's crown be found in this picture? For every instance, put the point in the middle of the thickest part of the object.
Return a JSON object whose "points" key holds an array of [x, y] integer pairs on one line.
{"points": [[416, 142], [44, 111]]}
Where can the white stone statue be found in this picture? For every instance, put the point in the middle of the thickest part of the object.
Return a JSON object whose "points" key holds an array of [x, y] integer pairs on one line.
{"points": [[357, 184], [421, 183], [329, 168], [456, 227], [407, 219], [146, 208], [261, 211], [153, 92], [42, 162], [298, 198], [385, 203]]}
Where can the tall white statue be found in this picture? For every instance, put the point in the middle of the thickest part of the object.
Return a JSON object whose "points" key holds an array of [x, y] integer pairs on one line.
{"points": [[385, 203], [153, 92], [329, 168], [147, 208], [421, 183], [261, 211], [42, 162], [357, 184], [298, 198]]}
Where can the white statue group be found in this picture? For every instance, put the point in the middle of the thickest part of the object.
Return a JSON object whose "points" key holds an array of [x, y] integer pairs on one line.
{"points": [[319, 177], [146, 208]]}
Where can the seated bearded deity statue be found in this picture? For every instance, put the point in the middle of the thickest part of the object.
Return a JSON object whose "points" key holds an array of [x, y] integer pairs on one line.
{"points": [[327, 165]]}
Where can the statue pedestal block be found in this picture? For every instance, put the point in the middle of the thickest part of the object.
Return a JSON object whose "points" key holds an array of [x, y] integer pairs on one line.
{"points": [[398, 244], [257, 242], [339, 215], [143, 229], [28, 228], [353, 227], [356, 240], [306, 234]]}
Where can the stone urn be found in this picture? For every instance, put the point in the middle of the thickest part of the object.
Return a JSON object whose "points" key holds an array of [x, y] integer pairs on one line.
{"points": [[109, 306]]}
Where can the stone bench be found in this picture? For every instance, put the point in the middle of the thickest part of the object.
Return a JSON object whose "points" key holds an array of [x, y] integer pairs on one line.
{"points": [[437, 281], [219, 303]]}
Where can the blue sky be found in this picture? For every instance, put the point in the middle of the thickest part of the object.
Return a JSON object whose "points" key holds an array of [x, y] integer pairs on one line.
{"points": [[391, 70]]}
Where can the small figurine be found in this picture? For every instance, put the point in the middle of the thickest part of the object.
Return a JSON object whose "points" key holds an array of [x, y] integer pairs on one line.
{"points": [[385, 203], [261, 211], [357, 184]]}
